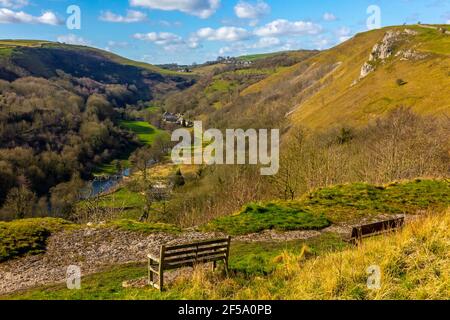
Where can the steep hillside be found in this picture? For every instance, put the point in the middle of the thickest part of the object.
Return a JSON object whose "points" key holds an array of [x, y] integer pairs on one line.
{"points": [[367, 76], [221, 85], [21, 58]]}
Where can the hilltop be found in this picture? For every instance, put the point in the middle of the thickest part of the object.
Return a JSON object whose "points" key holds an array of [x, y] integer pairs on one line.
{"points": [[21, 58]]}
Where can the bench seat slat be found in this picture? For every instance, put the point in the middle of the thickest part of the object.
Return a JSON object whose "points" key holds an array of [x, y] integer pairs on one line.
{"points": [[377, 228], [192, 262]]}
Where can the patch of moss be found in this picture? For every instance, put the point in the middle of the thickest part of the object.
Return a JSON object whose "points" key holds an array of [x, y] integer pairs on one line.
{"points": [[281, 216], [28, 236]]}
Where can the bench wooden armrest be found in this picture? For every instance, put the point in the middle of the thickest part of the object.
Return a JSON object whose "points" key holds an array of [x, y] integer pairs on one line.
{"points": [[153, 257]]}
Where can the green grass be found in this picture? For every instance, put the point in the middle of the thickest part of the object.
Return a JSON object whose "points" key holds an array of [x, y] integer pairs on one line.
{"points": [[145, 131], [259, 258], [346, 202], [336, 204], [27, 236], [279, 216], [130, 203], [256, 57], [123, 197]]}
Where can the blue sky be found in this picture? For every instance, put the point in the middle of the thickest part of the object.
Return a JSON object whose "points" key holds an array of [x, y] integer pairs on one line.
{"points": [[187, 31]]}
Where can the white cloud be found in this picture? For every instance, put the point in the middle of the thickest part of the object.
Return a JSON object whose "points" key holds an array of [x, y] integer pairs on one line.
{"points": [[10, 16], [283, 27], [200, 8], [132, 16], [267, 42], [223, 34], [329, 17], [73, 39], [116, 44], [343, 34], [160, 38], [169, 41], [14, 4], [242, 48], [255, 11]]}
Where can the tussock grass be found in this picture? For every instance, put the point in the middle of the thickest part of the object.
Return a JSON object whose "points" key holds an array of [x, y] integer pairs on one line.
{"points": [[414, 263]]}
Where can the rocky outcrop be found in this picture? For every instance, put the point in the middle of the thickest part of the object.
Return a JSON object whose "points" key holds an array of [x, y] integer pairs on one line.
{"points": [[386, 48], [366, 69], [410, 54]]}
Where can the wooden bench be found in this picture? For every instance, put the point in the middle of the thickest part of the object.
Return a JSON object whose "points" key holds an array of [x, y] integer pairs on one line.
{"points": [[374, 229], [187, 255]]}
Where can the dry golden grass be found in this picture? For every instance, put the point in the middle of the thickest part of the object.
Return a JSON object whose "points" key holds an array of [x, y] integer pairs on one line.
{"points": [[414, 263], [338, 102]]}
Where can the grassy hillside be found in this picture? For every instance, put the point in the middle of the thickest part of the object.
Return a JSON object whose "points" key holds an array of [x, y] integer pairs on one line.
{"points": [[326, 92], [19, 58], [220, 85], [345, 203], [48, 44], [28, 236]]}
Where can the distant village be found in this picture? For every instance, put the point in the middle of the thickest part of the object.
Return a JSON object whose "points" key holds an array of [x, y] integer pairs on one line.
{"points": [[220, 60], [178, 119]]}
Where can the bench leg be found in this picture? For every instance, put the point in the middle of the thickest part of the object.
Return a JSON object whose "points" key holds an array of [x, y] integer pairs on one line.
{"points": [[161, 280], [150, 273], [226, 268], [214, 265]]}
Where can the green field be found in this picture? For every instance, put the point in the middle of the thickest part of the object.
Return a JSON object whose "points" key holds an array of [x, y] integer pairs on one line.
{"points": [[145, 131], [146, 134]]}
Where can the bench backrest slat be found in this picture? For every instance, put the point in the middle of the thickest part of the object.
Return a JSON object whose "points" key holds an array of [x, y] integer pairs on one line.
{"points": [[196, 259], [194, 253], [195, 249], [191, 263], [196, 244]]}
